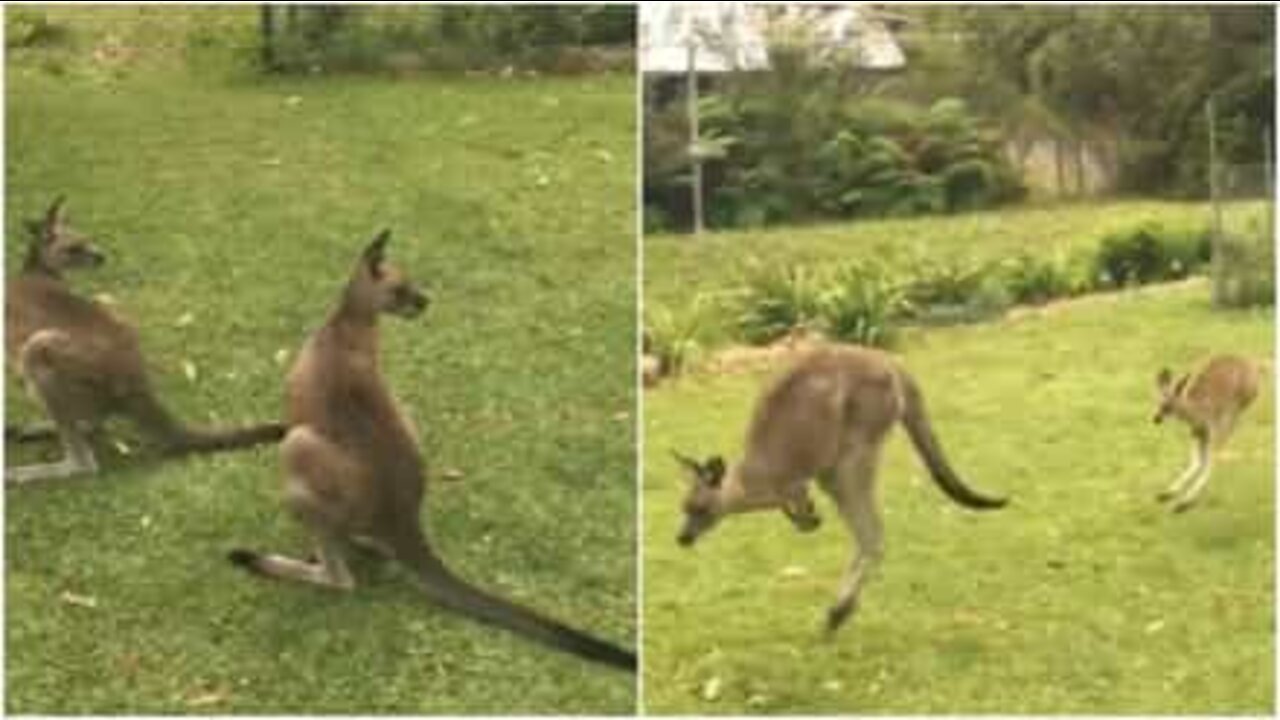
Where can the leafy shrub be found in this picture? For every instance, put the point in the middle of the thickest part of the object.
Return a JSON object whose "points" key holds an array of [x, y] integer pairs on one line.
{"points": [[1150, 254], [795, 147], [674, 339], [1033, 279], [777, 300], [862, 305], [949, 281], [347, 38], [29, 28], [953, 290]]}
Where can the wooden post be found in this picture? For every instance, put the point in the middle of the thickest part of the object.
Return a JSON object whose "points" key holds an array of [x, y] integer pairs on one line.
{"points": [[1060, 167], [267, 24], [691, 102]]}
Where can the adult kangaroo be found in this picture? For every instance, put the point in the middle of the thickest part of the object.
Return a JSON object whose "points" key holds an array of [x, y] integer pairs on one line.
{"points": [[353, 473], [827, 417], [83, 364]]}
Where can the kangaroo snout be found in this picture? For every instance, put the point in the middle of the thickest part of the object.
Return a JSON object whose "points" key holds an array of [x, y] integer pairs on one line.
{"points": [[94, 257], [410, 303]]}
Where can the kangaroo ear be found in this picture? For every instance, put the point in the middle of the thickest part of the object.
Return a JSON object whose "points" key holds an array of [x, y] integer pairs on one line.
{"points": [[1163, 377], [55, 215], [376, 252], [687, 463], [1181, 383], [714, 468]]}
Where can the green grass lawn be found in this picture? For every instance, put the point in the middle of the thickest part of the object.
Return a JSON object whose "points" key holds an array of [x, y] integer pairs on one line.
{"points": [[232, 210], [678, 268], [1084, 596]]}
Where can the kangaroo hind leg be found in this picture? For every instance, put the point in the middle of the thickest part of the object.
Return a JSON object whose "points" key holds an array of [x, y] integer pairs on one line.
{"points": [[46, 360], [802, 513], [853, 489], [1182, 481], [1199, 479], [307, 458]]}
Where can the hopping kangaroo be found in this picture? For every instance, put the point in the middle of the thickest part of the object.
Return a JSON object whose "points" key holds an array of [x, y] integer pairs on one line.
{"points": [[353, 474], [83, 365], [1210, 402], [828, 417]]}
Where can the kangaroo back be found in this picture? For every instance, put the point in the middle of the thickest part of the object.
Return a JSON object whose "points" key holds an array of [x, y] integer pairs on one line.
{"points": [[447, 589], [919, 429], [178, 438]]}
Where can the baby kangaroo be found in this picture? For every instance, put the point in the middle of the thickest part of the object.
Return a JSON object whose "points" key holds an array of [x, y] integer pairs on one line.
{"points": [[1210, 402], [83, 364], [353, 473], [828, 417]]}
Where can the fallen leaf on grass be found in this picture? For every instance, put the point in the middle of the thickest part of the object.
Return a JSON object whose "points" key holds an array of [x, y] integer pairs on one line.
{"points": [[281, 356], [1154, 627], [122, 447], [84, 601], [189, 369], [451, 474], [207, 698], [185, 320], [711, 689], [130, 663], [833, 686], [794, 571]]}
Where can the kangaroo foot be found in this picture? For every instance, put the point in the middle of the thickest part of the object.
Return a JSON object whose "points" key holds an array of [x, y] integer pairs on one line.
{"points": [[803, 515], [838, 615]]}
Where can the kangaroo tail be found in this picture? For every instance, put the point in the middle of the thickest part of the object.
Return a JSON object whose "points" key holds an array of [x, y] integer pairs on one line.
{"points": [[454, 593], [178, 438], [926, 443]]}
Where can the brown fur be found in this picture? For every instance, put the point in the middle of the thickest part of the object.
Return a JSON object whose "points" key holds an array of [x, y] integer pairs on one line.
{"points": [[353, 473], [83, 364], [1209, 402], [826, 418]]}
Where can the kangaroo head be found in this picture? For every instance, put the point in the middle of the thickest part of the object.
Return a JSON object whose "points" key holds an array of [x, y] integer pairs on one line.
{"points": [[55, 246], [1170, 394], [702, 508], [377, 286]]}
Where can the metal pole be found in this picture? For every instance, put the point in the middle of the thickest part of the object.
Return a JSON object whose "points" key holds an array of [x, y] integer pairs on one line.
{"points": [[691, 100], [1215, 202], [1269, 183]]}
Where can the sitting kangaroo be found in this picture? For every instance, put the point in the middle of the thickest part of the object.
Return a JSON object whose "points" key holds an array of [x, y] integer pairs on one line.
{"points": [[353, 474], [1210, 402], [828, 417], [83, 364]]}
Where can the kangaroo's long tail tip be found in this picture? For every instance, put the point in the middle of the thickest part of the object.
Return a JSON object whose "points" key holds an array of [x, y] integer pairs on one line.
{"points": [[990, 503], [619, 658]]}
